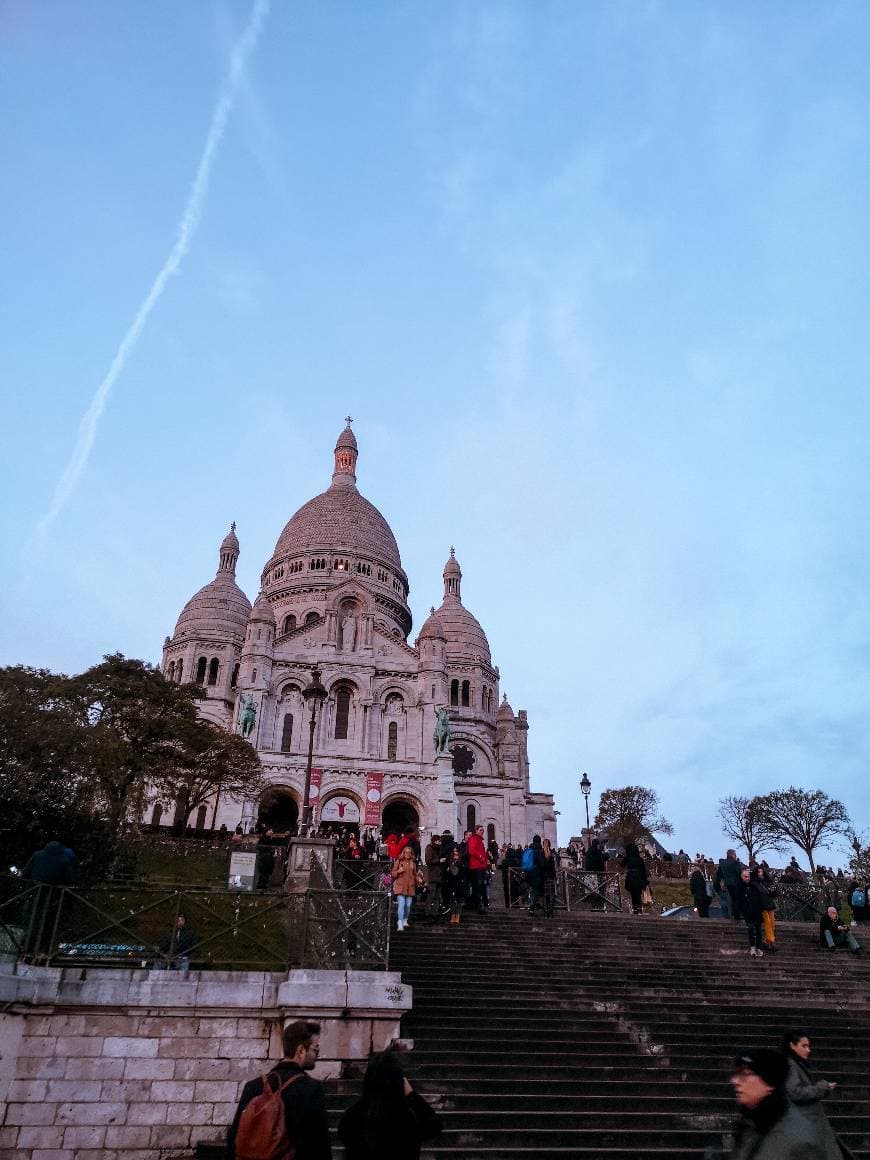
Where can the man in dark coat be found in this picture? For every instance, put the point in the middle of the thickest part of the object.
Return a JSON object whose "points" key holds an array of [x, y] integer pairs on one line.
{"points": [[48, 868], [728, 875], [304, 1102], [434, 860], [595, 862], [771, 1127], [51, 865]]}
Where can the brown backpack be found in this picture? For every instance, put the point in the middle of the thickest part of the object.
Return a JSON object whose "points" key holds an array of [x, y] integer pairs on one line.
{"points": [[262, 1130]]}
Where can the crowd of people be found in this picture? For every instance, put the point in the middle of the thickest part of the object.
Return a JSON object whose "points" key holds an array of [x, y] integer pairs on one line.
{"points": [[781, 1106]]}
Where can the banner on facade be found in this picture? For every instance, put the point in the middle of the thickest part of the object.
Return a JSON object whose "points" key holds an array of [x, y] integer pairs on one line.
{"points": [[340, 808], [374, 793], [314, 791]]}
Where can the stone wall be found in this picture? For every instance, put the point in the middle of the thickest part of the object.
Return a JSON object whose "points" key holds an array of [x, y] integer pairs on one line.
{"points": [[137, 1065]]}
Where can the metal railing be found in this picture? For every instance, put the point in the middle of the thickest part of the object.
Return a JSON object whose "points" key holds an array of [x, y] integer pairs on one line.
{"points": [[132, 926], [575, 889]]}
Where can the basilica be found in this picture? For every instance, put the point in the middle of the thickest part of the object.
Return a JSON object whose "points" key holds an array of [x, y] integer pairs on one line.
{"points": [[334, 597]]}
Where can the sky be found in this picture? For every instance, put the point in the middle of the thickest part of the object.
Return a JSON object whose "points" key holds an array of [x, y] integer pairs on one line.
{"points": [[590, 277]]}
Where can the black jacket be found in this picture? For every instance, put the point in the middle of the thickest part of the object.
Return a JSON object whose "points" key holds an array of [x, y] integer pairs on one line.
{"points": [[396, 1136], [50, 865], [304, 1110]]}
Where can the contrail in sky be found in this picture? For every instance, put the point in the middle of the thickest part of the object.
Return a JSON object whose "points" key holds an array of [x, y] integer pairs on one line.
{"points": [[187, 227]]}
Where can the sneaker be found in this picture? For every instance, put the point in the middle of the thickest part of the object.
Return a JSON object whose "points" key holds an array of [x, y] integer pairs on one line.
{"points": [[753, 951], [759, 953]]}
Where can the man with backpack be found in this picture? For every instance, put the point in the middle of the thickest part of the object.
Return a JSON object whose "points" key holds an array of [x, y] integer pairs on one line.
{"points": [[283, 1113]]}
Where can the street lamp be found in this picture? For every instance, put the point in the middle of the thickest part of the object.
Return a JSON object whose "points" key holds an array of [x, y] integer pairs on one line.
{"points": [[586, 787], [314, 696]]}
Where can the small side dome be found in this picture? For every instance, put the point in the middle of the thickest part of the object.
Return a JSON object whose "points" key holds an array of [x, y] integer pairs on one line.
{"points": [[262, 612], [432, 627]]}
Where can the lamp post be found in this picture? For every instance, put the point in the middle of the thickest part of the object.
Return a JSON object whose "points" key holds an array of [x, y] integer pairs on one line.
{"points": [[586, 788], [314, 696]]}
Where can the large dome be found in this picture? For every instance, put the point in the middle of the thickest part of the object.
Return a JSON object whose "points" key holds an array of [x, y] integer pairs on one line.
{"points": [[340, 518]]}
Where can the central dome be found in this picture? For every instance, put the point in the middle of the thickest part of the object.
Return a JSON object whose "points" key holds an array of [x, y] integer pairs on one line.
{"points": [[340, 518]]}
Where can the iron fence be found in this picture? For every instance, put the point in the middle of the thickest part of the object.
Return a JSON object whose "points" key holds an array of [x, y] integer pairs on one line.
{"points": [[575, 890], [133, 926]]}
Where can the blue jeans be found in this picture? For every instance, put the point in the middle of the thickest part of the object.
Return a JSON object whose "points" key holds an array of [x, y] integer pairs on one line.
{"points": [[404, 903]]}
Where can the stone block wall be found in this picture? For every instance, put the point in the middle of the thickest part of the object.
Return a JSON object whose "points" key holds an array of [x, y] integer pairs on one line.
{"points": [[139, 1065]]}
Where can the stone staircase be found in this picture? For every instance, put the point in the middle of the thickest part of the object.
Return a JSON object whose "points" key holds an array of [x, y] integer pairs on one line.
{"points": [[611, 1036]]}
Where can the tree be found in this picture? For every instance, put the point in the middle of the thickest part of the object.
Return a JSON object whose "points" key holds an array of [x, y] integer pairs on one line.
{"points": [[209, 762], [136, 725], [45, 792], [745, 821], [631, 813], [810, 820]]}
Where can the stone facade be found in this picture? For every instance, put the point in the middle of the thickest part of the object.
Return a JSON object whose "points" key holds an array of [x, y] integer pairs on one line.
{"points": [[99, 1064], [334, 594]]}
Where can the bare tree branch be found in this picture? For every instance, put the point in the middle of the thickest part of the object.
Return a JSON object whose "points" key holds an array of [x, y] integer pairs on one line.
{"points": [[810, 820]]}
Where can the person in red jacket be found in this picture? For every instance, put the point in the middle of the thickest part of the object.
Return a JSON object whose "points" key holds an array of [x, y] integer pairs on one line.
{"points": [[478, 870]]}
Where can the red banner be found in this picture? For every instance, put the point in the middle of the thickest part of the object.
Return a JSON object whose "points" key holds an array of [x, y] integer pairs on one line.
{"points": [[374, 793], [314, 792]]}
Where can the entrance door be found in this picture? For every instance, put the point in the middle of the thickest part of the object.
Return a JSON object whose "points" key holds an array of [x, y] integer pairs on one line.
{"points": [[399, 816], [278, 811]]}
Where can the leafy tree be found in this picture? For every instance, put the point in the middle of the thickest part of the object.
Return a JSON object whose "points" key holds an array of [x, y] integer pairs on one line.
{"points": [[631, 813], [746, 822], [210, 761], [136, 725], [810, 820], [45, 793]]}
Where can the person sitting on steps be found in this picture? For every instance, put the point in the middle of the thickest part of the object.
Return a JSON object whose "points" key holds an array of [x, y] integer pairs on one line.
{"points": [[833, 933]]}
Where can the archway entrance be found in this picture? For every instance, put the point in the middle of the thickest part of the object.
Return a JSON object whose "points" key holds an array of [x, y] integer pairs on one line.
{"points": [[278, 811], [398, 816]]}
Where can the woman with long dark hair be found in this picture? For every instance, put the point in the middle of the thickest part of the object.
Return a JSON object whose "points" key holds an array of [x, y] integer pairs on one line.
{"points": [[391, 1120], [807, 1094]]}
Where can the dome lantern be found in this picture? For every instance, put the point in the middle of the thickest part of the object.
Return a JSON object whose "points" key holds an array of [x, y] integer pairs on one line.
{"points": [[346, 452]]}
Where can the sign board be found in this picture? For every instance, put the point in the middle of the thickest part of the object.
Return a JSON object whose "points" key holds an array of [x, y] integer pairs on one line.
{"points": [[243, 870], [340, 809]]}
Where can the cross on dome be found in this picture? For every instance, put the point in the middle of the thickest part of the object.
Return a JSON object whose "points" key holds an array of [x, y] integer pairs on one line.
{"points": [[348, 419]]}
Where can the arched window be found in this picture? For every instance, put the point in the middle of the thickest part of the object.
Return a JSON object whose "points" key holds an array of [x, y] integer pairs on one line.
{"points": [[392, 741], [466, 693], [179, 670], [311, 618], [156, 814], [490, 833], [213, 671], [235, 679], [171, 672], [200, 818], [289, 623], [454, 692], [201, 666], [287, 733], [342, 713], [470, 817]]}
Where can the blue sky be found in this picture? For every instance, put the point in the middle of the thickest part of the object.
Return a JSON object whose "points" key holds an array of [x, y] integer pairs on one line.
{"points": [[591, 278]]}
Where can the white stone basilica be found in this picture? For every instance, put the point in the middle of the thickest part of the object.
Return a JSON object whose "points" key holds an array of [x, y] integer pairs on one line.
{"points": [[334, 595]]}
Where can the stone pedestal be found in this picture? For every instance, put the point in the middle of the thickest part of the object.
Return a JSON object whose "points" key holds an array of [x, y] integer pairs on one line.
{"points": [[299, 861], [447, 815]]}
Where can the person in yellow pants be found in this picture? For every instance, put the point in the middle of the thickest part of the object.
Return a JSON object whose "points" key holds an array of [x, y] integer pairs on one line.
{"points": [[768, 907]]}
